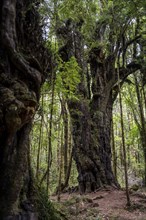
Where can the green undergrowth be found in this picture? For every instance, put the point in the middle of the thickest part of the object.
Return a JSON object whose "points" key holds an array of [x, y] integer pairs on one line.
{"points": [[136, 206], [46, 209], [80, 208]]}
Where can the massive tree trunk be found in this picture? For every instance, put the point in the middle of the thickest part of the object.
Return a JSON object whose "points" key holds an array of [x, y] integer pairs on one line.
{"points": [[91, 114], [20, 81], [92, 137]]}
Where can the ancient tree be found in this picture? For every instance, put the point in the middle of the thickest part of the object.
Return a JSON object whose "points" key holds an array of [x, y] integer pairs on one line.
{"points": [[91, 114], [22, 59]]}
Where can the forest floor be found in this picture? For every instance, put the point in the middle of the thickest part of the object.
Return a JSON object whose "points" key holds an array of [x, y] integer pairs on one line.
{"points": [[105, 204]]}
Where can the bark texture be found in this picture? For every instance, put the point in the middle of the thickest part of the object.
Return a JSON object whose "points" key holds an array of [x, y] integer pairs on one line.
{"points": [[21, 77]]}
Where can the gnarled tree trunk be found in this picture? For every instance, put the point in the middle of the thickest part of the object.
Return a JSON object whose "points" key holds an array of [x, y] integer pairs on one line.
{"points": [[21, 77], [92, 150], [91, 114]]}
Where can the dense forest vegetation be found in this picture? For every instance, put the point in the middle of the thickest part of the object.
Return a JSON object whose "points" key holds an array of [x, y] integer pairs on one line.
{"points": [[73, 101]]}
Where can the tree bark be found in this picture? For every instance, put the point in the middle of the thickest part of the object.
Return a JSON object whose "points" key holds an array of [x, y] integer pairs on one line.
{"points": [[91, 149], [20, 81]]}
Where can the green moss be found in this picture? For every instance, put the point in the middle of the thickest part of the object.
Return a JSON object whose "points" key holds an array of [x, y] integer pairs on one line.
{"points": [[7, 96], [46, 209], [22, 93], [135, 187]]}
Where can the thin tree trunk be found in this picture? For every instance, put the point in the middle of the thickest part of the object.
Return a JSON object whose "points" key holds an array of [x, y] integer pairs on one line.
{"points": [[70, 155], [144, 95], [123, 143], [124, 152], [65, 122], [39, 144], [50, 129], [68, 173], [128, 145], [142, 122], [60, 168], [114, 153]]}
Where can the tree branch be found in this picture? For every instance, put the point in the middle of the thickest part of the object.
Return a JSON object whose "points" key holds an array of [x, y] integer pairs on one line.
{"points": [[132, 41], [123, 74]]}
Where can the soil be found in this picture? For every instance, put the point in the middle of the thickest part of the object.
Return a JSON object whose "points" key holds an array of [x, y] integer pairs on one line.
{"points": [[105, 204]]}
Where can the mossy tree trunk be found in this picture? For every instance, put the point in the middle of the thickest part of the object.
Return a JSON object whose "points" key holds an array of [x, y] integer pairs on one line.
{"points": [[91, 114], [92, 136], [21, 77]]}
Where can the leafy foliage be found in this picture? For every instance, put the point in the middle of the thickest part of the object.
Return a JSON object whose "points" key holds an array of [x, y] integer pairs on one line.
{"points": [[67, 78]]}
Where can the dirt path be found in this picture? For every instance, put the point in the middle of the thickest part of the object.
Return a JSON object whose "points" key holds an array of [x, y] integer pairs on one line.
{"points": [[106, 204]]}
